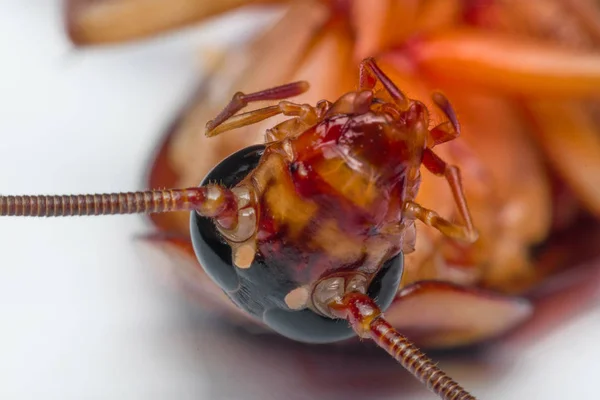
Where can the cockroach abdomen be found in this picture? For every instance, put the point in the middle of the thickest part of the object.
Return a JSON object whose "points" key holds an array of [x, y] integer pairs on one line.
{"points": [[260, 290]]}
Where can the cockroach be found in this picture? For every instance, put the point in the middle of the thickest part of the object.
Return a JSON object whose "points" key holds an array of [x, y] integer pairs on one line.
{"points": [[307, 232]]}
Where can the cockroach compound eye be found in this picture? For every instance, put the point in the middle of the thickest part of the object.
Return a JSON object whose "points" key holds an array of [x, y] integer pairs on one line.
{"points": [[307, 233]]}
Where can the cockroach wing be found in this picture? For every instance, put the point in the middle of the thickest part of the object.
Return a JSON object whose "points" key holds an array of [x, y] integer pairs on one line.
{"points": [[437, 314], [91, 22]]}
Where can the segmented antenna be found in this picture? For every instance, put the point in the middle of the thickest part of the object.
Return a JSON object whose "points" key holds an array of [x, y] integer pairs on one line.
{"points": [[209, 201], [367, 320]]}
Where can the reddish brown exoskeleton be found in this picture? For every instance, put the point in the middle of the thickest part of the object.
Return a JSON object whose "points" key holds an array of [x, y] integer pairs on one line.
{"points": [[310, 229]]}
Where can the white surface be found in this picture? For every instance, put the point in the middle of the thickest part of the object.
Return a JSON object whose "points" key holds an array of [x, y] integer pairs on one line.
{"points": [[83, 316]]}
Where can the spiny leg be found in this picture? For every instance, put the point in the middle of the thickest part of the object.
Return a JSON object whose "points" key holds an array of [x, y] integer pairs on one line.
{"points": [[443, 133], [439, 167], [241, 100], [307, 114], [370, 73], [433, 219], [447, 130]]}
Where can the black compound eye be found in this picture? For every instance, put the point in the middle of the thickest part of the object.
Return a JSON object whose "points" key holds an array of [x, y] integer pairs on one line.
{"points": [[258, 290]]}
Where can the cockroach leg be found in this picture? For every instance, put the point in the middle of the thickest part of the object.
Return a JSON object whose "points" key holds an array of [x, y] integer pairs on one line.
{"points": [[441, 133], [444, 104], [433, 219], [370, 73], [241, 100], [447, 130], [304, 112], [285, 129], [296, 126], [439, 167]]}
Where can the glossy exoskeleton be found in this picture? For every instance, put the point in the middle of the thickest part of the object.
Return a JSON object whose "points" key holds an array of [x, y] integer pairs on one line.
{"points": [[261, 289], [308, 232]]}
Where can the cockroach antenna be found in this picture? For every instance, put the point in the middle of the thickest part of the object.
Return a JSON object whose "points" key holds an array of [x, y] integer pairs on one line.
{"points": [[208, 201], [368, 322], [363, 314], [271, 234]]}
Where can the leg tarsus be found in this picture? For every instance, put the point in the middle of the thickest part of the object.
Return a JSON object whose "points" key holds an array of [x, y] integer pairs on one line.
{"points": [[454, 180], [441, 133], [439, 167], [444, 131], [249, 118], [241, 100], [433, 219], [303, 112], [370, 73], [444, 104]]}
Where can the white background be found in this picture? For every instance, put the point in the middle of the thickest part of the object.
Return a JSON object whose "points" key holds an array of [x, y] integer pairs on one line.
{"points": [[83, 316]]}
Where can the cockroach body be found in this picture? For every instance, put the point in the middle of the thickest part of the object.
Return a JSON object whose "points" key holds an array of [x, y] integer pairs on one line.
{"points": [[325, 209], [276, 283], [330, 200], [309, 230]]}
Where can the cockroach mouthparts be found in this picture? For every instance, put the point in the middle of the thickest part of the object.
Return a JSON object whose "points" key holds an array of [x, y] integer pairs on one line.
{"points": [[309, 230]]}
